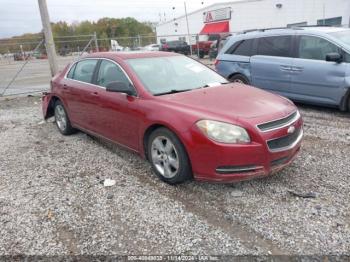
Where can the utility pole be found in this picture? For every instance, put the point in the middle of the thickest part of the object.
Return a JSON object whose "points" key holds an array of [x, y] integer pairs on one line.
{"points": [[188, 30], [49, 43]]}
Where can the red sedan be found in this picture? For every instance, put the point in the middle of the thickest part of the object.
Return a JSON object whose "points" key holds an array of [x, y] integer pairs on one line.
{"points": [[186, 119]]}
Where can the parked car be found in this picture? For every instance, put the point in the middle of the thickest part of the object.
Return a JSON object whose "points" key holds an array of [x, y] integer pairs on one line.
{"points": [[205, 42], [307, 64], [19, 56], [40, 54], [216, 46], [182, 116], [152, 47], [176, 46], [115, 46]]}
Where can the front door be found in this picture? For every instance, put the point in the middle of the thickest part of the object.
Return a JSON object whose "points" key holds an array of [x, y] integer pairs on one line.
{"points": [[118, 117], [314, 79]]}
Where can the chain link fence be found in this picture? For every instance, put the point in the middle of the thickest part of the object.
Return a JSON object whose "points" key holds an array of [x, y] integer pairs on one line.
{"points": [[24, 67]]}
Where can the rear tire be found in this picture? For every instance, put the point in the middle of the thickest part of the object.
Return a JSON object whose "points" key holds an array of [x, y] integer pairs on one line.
{"points": [[240, 79], [201, 54], [168, 157], [62, 120]]}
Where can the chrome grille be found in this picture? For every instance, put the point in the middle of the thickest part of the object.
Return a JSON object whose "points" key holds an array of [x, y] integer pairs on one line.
{"points": [[285, 142], [280, 123]]}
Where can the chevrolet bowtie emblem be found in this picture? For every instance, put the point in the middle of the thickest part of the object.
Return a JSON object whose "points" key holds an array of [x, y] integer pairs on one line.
{"points": [[291, 130]]}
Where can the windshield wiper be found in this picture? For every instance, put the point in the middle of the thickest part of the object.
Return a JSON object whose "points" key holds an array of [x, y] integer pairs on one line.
{"points": [[210, 85], [173, 91]]}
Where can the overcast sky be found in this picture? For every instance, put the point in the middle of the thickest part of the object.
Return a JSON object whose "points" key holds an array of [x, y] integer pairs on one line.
{"points": [[22, 16]]}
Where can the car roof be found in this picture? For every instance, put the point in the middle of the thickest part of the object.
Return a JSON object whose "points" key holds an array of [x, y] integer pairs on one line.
{"points": [[301, 29], [257, 33], [324, 29], [130, 55]]}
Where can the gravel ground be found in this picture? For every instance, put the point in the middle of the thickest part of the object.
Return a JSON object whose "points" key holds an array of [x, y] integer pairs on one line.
{"points": [[52, 200]]}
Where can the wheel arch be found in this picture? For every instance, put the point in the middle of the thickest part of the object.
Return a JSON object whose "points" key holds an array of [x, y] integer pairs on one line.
{"points": [[239, 73], [345, 101], [150, 129], [50, 111]]}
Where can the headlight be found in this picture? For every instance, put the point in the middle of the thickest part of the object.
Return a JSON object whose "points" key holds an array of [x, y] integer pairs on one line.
{"points": [[223, 132]]}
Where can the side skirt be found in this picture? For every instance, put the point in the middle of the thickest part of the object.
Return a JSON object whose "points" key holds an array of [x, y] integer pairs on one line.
{"points": [[105, 138]]}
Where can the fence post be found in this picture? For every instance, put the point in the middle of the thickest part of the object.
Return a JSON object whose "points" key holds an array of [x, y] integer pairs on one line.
{"points": [[96, 42], [139, 37]]}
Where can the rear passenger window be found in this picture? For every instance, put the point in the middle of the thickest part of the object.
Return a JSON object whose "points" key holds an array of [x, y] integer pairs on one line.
{"points": [[243, 48], [84, 70], [233, 47], [275, 46], [71, 71]]}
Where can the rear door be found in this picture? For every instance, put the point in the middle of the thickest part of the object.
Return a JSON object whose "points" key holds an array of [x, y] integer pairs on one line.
{"points": [[81, 94], [271, 67], [314, 79]]}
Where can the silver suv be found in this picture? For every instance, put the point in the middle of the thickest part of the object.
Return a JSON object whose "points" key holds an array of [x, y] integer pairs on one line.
{"points": [[306, 64]]}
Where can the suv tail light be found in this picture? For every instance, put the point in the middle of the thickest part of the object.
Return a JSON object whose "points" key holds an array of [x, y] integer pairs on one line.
{"points": [[216, 62]]}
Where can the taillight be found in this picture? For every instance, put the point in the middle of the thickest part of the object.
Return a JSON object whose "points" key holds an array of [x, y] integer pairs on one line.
{"points": [[216, 62]]}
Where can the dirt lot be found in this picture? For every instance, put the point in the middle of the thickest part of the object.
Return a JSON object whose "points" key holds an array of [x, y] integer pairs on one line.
{"points": [[52, 200]]}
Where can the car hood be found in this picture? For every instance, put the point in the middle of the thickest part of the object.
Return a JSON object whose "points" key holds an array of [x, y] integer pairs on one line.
{"points": [[233, 101]]}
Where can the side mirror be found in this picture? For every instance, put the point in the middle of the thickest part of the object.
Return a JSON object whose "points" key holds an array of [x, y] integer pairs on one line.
{"points": [[334, 57], [120, 87]]}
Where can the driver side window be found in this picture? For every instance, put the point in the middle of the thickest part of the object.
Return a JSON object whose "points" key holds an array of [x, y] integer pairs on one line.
{"points": [[315, 48], [110, 72], [346, 57]]}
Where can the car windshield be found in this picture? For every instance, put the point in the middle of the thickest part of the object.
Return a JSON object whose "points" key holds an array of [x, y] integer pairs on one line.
{"points": [[343, 36], [172, 74]]}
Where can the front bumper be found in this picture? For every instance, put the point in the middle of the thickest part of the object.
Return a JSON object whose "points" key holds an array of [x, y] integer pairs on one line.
{"points": [[231, 162]]}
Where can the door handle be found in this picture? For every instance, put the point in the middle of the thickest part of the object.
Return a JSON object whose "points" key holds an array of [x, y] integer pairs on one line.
{"points": [[94, 93], [285, 68], [297, 69], [65, 87]]}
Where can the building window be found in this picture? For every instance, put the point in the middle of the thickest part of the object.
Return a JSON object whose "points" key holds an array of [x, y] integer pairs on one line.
{"points": [[330, 21], [182, 38], [297, 24]]}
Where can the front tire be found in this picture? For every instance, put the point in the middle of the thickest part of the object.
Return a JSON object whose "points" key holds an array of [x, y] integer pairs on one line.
{"points": [[168, 157], [201, 54], [62, 120], [241, 79]]}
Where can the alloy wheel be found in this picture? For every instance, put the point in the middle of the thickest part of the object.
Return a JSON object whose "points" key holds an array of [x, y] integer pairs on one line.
{"points": [[165, 157], [60, 117], [238, 81]]}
